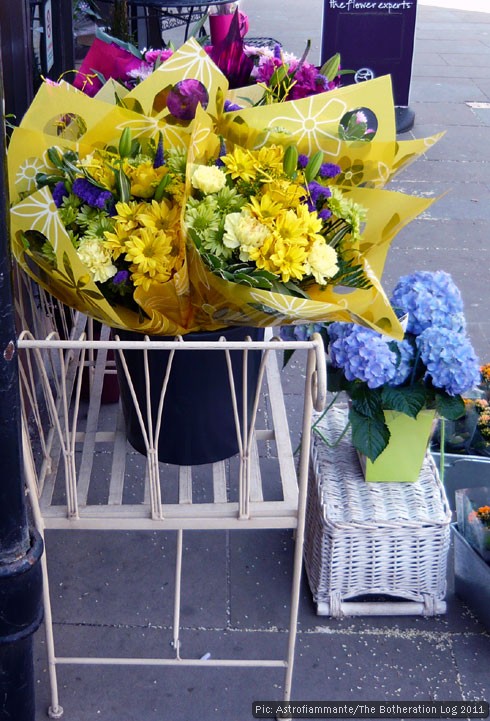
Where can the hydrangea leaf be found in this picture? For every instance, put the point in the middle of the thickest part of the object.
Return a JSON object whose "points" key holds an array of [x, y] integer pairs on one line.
{"points": [[449, 407], [408, 399], [370, 434]]}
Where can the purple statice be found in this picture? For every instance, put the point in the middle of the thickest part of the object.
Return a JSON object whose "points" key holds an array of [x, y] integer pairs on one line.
{"points": [[59, 192], [430, 299], [450, 360], [184, 97], [329, 170], [302, 161], [91, 194], [362, 354], [159, 158], [318, 194]]}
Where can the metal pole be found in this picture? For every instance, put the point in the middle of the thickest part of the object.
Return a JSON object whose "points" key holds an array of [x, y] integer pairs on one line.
{"points": [[20, 547], [17, 56]]}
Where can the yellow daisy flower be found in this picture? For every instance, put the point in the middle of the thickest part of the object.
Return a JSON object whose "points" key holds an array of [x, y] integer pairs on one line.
{"points": [[115, 242], [291, 228], [150, 252], [160, 216], [127, 214], [240, 164]]}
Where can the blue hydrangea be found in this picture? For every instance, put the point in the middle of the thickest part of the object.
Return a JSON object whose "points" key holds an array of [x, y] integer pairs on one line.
{"points": [[450, 359], [300, 332], [363, 355], [405, 362], [430, 299]]}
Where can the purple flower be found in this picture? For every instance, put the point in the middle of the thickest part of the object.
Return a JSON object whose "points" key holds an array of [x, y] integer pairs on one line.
{"points": [[90, 194], [318, 195], [121, 277], [159, 157], [302, 161], [329, 170], [184, 97], [229, 107], [59, 192]]}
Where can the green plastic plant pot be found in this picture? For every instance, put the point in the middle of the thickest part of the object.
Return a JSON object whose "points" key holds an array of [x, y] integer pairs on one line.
{"points": [[402, 459]]}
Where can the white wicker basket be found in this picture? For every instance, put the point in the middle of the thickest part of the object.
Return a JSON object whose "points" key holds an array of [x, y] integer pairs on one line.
{"points": [[373, 539]]}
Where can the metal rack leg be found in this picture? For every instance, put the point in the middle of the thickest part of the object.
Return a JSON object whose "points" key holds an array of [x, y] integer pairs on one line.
{"points": [[178, 584]]}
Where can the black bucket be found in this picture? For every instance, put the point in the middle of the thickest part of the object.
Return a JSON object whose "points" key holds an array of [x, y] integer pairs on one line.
{"points": [[198, 424]]}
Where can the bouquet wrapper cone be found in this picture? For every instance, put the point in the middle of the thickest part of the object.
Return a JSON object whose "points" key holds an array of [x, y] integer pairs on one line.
{"points": [[402, 459], [195, 299]]}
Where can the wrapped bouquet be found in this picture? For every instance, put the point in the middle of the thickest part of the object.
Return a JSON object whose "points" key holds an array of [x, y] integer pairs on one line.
{"points": [[163, 213]]}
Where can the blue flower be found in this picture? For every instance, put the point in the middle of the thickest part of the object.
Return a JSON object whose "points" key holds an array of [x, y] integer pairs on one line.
{"points": [[59, 192], [450, 359], [429, 298], [304, 331], [90, 194], [363, 355], [329, 170], [159, 159]]}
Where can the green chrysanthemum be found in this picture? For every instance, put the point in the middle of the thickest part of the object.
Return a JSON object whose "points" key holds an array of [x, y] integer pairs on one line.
{"points": [[229, 200]]}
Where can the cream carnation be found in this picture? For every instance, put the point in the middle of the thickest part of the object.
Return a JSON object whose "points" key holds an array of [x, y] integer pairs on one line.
{"points": [[208, 179], [322, 262], [242, 229], [97, 259]]}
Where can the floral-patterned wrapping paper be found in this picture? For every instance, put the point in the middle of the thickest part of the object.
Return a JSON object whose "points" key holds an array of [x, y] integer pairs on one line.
{"points": [[196, 299]]}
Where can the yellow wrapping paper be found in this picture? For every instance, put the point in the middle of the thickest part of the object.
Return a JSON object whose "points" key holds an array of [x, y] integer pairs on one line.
{"points": [[196, 299]]}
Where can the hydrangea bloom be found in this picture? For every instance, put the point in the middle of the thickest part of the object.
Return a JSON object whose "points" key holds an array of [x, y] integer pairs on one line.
{"points": [[449, 358], [429, 298], [304, 331], [362, 354]]}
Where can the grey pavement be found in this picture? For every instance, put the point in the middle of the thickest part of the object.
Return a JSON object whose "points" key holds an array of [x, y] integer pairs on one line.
{"points": [[105, 590]]}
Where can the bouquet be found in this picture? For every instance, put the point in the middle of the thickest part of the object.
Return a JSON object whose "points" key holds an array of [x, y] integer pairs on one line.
{"points": [[430, 368], [104, 223]]}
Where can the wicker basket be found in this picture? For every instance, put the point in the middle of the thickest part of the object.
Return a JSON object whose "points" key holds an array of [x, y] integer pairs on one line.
{"points": [[387, 540]]}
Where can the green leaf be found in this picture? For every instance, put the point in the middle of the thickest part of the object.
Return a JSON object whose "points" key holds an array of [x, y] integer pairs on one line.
{"points": [[366, 401], [370, 435], [123, 185], [330, 69], [408, 399], [449, 407]]}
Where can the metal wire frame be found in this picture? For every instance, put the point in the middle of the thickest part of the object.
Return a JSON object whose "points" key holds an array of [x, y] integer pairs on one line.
{"points": [[51, 377]]}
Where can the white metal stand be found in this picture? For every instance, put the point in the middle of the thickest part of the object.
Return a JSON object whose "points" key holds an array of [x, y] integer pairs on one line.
{"points": [[51, 378]]}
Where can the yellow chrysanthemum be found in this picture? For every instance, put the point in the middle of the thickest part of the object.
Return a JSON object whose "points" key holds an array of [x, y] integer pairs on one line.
{"points": [[115, 242], [285, 192], [265, 208], [240, 164], [127, 214], [292, 228], [161, 216], [144, 178], [270, 159], [280, 258], [150, 252], [311, 222]]}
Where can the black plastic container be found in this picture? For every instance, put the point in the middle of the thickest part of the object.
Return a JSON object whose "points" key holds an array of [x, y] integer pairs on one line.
{"points": [[198, 424]]}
